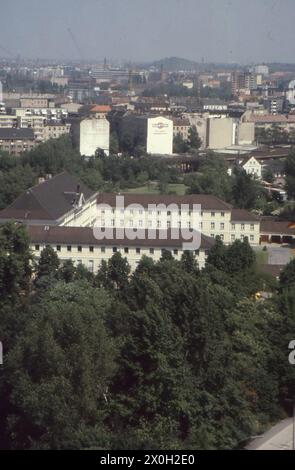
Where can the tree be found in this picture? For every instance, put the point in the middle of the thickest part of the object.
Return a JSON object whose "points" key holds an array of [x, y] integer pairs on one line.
{"points": [[193, 138], [48, 263], [287, 276], [240, 257], [217, 256], [189, 263], [180, 145], [290, 174], [59, 372], [118, 271], [15, 259], [246, 190], [67, 272], [212, 178]]}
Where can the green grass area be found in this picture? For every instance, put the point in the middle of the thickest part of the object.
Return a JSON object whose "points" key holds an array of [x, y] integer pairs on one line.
{"points": [[261, 257], [153, 188]]}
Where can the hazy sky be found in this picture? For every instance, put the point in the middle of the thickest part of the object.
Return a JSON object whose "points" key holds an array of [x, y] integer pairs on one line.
{"points": [[219, 30]]}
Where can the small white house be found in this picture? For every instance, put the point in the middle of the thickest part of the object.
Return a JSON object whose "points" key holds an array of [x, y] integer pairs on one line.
{"points": [[253, 167]]}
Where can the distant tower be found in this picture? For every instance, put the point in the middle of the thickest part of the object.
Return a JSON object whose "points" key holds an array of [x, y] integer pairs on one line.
{"points": [[105, 63], [162, 73], [130, 81]]}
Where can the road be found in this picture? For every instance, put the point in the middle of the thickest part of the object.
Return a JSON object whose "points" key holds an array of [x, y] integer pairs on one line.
{"points": [[278, 254], [278, 437]]}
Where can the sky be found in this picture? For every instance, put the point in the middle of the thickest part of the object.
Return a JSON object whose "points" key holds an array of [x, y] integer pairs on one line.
{"points": [[242, 31]]}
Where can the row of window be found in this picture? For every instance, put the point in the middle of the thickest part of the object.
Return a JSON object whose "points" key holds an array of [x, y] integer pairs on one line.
{"points": [[158, 212], [114, 249], [151, 223], [233, 237]]}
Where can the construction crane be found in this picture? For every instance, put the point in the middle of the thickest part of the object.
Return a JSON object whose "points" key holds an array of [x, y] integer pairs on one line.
{"points": [[75, 42]]}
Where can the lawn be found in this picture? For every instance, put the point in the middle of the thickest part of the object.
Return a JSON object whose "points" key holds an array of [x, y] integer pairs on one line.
{"points": [[153, 188]]}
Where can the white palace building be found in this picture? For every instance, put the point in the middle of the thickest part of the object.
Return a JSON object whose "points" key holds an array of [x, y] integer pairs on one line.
{"points": [[76, 222]]}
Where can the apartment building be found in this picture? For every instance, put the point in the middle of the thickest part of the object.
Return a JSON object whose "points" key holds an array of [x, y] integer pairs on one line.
{"points": [[80, 245], [201, 212], [15, 141], [59, 200], [54, 130], [181, 126]]}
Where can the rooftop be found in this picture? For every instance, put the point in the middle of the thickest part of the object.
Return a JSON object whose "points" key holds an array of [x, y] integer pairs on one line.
{"points": [[11, 133], [49, 200], [85, 236], [207, 201]]}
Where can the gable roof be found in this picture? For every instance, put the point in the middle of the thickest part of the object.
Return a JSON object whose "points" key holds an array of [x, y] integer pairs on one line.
{"points": [[242, 215], [244, 162], [85, 236], [207, 201], [49, 200]]}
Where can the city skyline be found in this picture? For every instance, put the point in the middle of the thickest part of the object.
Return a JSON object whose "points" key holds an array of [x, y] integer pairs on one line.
{"points": [[222, 31]]}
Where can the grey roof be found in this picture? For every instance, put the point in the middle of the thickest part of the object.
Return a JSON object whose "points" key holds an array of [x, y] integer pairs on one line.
{"points": [[49, 200], [242, 215], [12, 133], [85, 236], [207, 201]]}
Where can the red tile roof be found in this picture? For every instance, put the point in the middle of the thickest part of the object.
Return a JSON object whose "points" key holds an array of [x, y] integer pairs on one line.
{"points": [[100, 108]]}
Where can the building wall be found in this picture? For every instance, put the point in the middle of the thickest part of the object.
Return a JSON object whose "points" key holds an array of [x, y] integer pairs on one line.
{"points": [[246, 133], [16, 147], [220, 133], [81, 254], [160, 136], [182, 130], [94, 134], [240, 230], [253, 167], [210, 223], [200, 121], [34, 102], [83, 216], [53, 131]]}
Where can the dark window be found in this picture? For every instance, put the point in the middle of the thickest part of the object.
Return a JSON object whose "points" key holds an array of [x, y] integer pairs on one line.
{"points": [[138, 251], [103, 249], [126, 250], [37, 247], [91, 249], [152, 251], [79, 249], [175, 252], [57, 247], [114, 249], [69, 248]]}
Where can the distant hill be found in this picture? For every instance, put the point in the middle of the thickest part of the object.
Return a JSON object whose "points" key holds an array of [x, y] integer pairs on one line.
{"points": [[172, 64]]}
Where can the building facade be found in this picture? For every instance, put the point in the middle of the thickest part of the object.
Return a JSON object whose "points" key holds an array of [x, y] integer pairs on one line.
{"points": [[15, 141], [159, 136], [80, 245], [204, 213]]}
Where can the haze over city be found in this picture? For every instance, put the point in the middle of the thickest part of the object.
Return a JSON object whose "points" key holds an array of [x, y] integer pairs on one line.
{"points": [[144, 30]]}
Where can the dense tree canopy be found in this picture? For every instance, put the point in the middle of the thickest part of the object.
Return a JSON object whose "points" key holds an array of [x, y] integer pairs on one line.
{"points": [[168, 357]]}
